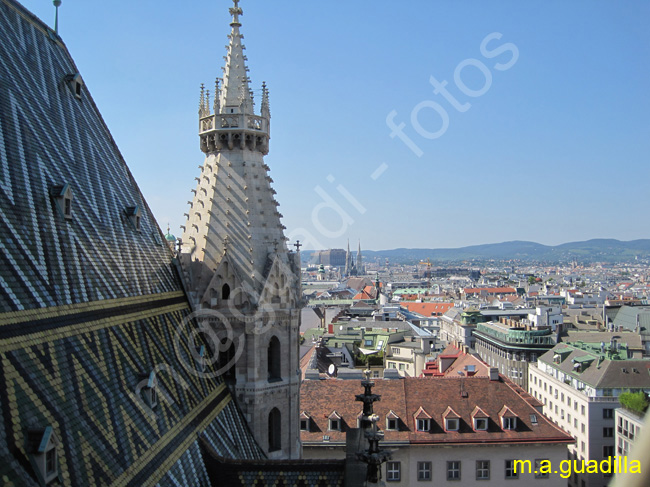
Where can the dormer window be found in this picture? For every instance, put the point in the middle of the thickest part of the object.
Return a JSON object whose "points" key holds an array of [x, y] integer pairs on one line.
{"points": [[149, 391], [452, 419], [480, 424], [451, 424], [134, 214], [422, 420], [75, 83], [304, 421], [392, 421], [200, 358], [42, 445], [508, 418], [480, 419], [334, 421], [62, 195]]}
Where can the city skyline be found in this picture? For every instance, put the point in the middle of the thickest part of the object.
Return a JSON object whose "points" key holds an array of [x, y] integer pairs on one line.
{"points": [[524, 141]]}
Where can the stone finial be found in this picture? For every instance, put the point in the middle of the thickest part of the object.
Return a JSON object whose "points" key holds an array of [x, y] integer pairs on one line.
{"points": [[202, 100], [266, 109], [235, 11], [217, 95]]}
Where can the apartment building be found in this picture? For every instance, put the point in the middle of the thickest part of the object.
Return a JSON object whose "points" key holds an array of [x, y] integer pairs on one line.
{"points": [[457, 430], [579, 384], [511, 347]]}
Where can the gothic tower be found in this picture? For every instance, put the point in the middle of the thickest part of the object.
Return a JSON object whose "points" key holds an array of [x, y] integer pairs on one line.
{"points": [[243, 280], [360, 271]]}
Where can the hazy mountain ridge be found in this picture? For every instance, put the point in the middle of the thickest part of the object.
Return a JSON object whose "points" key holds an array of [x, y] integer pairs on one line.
{"points": [[595, 250]]}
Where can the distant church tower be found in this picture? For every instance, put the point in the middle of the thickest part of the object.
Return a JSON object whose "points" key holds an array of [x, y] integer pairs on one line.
{"points": [[360, 271], [235, 259]]}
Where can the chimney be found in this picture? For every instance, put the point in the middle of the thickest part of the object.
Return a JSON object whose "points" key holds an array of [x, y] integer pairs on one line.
{"points": [[494, 373]]}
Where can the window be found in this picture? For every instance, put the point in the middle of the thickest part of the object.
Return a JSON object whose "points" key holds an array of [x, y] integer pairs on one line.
{"points": [[608, 413], [75, 83], [582, 428], [148, 390], [274, 359], [582, 409], [533, 418], [482, 469], [423, 424], [62, 196], [391, 424], [608, 451], [225, 292], [509, 423], [424, 470], [608, 432], [50, 462], [134, 214], [453, 470], [510, 470], [275, 430], [335, 425], [304, 425], [451, 424], [393, 473], [582, 446], [542, 468], [402, 366], [480, 424]]}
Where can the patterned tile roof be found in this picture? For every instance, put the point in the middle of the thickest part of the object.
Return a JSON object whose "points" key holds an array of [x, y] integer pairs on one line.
{"points": [[285, 473], [49, 138], [90, 300], [409, 396]]}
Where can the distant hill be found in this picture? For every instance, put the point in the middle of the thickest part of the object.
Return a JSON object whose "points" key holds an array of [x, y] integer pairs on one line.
{"points": [[596, 250]]}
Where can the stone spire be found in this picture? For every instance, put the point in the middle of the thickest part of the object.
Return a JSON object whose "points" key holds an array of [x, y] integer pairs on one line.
{"points": [[235, 259], [348, 261], [236, 91], [359, 261]]}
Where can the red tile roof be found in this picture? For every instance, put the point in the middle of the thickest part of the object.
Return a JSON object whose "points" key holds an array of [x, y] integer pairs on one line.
{"points": [[406, 397], [428, 309]]}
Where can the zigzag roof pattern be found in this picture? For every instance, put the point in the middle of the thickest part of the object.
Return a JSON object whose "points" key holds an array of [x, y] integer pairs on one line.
{"points": [[91, 305], [50, 138]]}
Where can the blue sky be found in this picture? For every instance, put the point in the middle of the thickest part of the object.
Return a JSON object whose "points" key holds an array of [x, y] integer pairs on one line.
{"points": [[552, 149]]}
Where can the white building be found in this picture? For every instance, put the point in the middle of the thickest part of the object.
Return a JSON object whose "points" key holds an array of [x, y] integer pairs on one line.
{"points": [[465, 430], [579, 384], [628, 428]]}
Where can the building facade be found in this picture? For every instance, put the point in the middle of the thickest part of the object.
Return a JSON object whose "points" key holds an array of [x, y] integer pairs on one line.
{"points": [[512, 348], [579, 384], [460, 431]]}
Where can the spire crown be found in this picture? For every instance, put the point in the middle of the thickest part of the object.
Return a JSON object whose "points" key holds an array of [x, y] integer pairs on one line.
{"points": [[236, 11]]}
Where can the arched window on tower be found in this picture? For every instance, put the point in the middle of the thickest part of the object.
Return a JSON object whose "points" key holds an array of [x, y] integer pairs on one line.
{"points": [[225, 292], [274, 373], [227, 361], [275, 440]]}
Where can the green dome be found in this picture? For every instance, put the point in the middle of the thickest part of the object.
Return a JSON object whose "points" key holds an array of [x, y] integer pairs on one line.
{"points": [[170, 238]]}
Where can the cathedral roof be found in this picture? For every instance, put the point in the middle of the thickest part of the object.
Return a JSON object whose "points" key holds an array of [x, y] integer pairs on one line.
{"points": [[97, 343]]}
